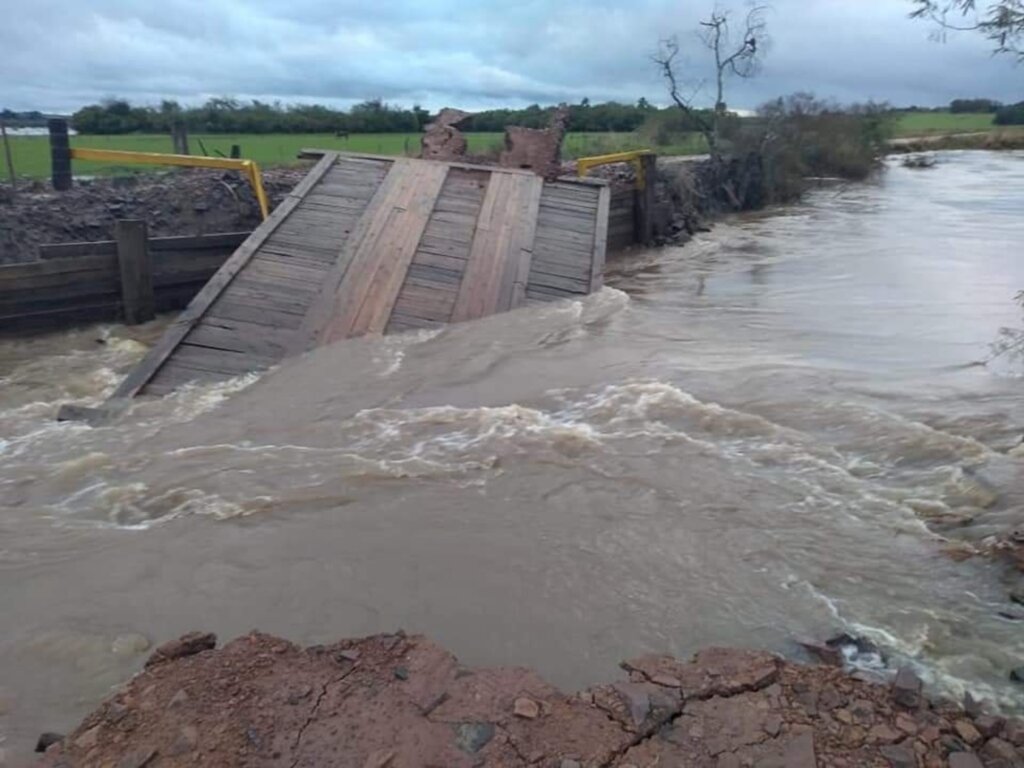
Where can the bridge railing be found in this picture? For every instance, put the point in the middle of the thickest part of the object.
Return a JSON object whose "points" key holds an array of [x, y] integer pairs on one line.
{"points": [[61, 155], [631, 217]]}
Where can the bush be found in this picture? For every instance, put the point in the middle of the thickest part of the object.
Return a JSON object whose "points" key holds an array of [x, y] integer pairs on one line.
{"points": [[800, 136], [1012, 114]]}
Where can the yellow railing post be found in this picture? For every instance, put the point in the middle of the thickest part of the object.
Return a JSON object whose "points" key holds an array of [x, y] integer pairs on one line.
{"points": [[248, 167]]}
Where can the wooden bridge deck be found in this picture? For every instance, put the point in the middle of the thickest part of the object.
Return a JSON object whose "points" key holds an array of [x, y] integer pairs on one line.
{"points": [[368, 244]]}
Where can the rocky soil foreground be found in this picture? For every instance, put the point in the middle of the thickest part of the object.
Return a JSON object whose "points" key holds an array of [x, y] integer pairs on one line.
{"points": [[398, 700]]}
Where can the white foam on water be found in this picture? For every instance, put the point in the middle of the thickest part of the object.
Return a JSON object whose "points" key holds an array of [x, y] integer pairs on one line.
{"points": [[391, 350]]}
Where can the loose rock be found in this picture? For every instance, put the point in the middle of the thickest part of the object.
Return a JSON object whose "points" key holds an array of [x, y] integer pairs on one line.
{"points": [[989, 725], [899, 756], [527, 708], [965, 730], [997, 749], [906, 688], [186, 645], [46, 740], [964, 760], [472, 737]]}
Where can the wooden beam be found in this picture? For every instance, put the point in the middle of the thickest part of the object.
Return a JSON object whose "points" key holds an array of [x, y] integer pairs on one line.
{"points": [[600, 239], [378, 254], [502, 235], [644, 206], [137, 300], [7, 154], [60, 154]]}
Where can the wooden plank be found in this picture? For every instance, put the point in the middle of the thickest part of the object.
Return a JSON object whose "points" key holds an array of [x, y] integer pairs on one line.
{"points": [[238, 336], [382, 258], [400, 323], [224, 361], [579, 270], [502, 233], [518, 268], [600, 241], [548, 293], [568, 284], [311, 153], [421, 273], [69, 250], [56, 287], [15, 272], [143, 372], [546, 218], [216, 240]]}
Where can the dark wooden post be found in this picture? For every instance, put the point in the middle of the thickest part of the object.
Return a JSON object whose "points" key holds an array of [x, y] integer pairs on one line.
{"points": [[7, 154], [179, 139], [60, 154], [136, 274], [643, 210]]}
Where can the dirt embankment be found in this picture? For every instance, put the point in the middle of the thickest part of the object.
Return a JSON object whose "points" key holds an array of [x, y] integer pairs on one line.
{"points": [[401, 701], [1006, 138], [191, 202]]}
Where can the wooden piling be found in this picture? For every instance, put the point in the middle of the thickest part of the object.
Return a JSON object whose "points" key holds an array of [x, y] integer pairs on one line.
{"points": [[137, 297], [60, 154], [179, 139], [644, 200], [10, 159]]}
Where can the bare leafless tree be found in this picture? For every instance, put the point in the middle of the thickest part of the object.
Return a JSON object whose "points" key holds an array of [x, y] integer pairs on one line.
{"points": [[1001, 21], [734, 57]]}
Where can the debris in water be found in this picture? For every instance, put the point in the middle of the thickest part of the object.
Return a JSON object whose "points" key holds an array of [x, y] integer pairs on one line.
{"points": [[920, 161]]}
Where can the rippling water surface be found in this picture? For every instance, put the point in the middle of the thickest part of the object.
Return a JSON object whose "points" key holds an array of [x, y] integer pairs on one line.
{"points": [[734, 443]]}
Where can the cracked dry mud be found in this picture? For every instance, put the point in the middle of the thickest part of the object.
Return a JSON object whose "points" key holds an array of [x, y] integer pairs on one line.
{"points": [[397, 700]]}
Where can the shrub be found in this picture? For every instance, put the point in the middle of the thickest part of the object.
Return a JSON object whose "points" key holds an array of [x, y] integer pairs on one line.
{"points": [[800, 136], [1012, 114]]}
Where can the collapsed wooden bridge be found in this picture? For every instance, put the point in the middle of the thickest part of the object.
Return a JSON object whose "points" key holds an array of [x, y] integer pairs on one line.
{"points": [[374, 245]]}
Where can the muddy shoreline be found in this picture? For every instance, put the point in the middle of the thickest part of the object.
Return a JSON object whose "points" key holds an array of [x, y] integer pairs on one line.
{"points": [[398, 700]]}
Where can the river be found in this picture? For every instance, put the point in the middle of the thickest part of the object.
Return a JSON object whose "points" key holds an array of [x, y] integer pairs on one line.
{"points": [[733, 443]]}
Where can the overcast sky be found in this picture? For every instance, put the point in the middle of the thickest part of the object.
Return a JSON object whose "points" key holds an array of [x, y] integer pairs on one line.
{"points": [[56, 55]]}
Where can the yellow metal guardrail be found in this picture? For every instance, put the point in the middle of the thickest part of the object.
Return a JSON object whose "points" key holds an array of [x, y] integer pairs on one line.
{"points": [[584, 164], [248, 167]]}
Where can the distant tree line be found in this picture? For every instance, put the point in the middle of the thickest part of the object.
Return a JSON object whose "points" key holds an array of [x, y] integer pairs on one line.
{"points": [[960, 106], [30, 119], [226, 115]]}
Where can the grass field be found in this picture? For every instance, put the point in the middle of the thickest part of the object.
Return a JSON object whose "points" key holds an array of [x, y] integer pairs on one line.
{"points": [[32, 158], [932, 123], [32, 153]]}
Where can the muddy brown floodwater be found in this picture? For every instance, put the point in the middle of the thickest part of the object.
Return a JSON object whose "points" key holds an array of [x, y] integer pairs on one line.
{"points": [[734, 443]]}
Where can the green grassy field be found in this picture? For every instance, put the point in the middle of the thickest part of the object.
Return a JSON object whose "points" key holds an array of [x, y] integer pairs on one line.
{"points": [[31, 154], [32, 158], [931, 123]]}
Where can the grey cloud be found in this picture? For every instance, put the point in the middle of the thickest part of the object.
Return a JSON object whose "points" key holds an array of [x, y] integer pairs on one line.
{"points": [[58, 54]]}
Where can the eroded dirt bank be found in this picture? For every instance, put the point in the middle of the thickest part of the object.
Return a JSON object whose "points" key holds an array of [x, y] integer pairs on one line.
{"points": [[397, 700], [190, 202]]}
